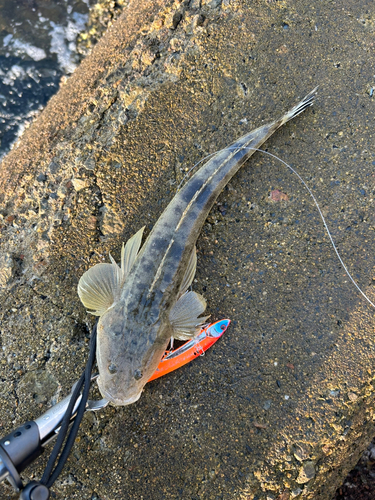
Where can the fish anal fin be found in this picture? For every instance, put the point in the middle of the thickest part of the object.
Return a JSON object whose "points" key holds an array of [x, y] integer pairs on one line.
{"points": [[99, 287], [184, 316]]}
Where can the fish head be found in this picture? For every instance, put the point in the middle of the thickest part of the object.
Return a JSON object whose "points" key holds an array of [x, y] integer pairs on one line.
{"points": [[128, 353]]}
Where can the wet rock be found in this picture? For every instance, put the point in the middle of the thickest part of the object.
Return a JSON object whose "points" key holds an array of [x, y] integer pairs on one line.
{"points": [[306, 472], [39, 384], [80, 184], [277, 195], [295, 493], [41, 178], [301, 451], [352, 396], [6, 272]]}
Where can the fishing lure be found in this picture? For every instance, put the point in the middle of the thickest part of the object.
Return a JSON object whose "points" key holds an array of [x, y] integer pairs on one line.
{"points": [[192, 349]]}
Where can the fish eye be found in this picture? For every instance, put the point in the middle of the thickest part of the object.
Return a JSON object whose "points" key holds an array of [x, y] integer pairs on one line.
{"points": [[137, 374], [117, 330], [112, 368]]}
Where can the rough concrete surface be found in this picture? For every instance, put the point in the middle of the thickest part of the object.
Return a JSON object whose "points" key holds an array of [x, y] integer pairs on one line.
{"points": [[282, 406]]}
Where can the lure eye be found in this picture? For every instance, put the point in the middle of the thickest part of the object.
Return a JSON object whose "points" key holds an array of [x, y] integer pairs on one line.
{"points": [[137, 374]]}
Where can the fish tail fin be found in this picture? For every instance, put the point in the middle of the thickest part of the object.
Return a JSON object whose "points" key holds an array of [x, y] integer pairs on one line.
{"points": [[299, 108]]}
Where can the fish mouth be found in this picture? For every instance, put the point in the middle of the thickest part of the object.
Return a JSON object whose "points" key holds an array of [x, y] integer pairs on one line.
{"points": [[116, 400], [130, 400]]}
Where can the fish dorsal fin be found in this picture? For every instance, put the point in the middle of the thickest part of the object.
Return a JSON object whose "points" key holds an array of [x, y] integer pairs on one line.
{"points": [[190, 272], [99, 287], [129, 252], [184, 316]]}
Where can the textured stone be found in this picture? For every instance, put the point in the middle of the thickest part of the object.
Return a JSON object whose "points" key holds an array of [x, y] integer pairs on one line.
{"points": [[306, 472]]}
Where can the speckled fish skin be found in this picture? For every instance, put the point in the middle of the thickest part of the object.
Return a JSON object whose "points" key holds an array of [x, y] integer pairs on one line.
{"points": [[134, 333]]}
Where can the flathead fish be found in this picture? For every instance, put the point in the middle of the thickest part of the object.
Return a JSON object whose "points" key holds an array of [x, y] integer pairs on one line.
{"points": [[145, 301]]}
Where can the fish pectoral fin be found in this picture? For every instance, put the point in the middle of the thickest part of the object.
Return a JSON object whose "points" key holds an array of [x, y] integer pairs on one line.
{"points": [[129, 252], [184, 316], [190, 272], [99, 287]]}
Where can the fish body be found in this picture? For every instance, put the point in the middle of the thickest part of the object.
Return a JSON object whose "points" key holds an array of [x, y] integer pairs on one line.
{"points": [[145, 302]]}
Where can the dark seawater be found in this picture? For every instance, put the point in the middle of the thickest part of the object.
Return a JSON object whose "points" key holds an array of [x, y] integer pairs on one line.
{"points": [[37, 48]]}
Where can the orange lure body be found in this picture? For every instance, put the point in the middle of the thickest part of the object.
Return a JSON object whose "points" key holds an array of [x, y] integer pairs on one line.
{"points": [[191, 349]]}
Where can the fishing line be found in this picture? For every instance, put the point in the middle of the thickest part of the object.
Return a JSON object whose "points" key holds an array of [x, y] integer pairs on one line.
{"points": [[310, 193]]}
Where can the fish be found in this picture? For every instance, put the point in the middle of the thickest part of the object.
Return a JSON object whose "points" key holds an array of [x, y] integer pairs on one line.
{"points": [[146, 300]]}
